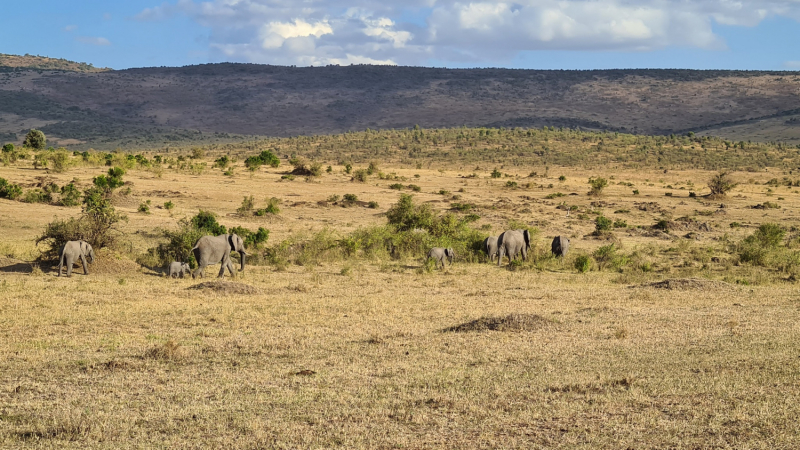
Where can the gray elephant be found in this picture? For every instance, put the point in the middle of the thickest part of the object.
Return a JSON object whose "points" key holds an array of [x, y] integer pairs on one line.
{"points": [[440, 255], [70, 253], [560, 246], [216, 249], [178, 269], [512, 243], [490, 247]]}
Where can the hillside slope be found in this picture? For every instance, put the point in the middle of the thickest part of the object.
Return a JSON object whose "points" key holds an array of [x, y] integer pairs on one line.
{"points": [[153, 106]]}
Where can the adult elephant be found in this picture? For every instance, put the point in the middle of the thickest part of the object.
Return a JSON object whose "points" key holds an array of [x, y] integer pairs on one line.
{"points": [[216, 249], [490, 247], [560, 246], [71, 252], [512, 243]]}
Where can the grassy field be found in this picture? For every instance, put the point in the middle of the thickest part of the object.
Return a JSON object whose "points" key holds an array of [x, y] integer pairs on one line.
{"points": [[682, 345]]}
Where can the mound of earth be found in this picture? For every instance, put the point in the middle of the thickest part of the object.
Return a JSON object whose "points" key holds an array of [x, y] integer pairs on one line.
{"points": [[226, 287], [511, 322], [106, 263], [688, 284]]}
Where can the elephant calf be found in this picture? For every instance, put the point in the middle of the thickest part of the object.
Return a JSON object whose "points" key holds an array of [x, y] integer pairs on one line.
{"points": [[178, 268], [440, 255], [71, 252], [490, 247], [560, 246]]}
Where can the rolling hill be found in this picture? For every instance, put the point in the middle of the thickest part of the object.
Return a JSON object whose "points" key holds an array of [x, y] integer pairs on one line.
{"points": [[154, 107]]}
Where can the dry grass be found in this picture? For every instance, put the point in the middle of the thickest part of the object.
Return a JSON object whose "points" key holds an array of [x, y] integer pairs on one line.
{"points": [[315, 359]]}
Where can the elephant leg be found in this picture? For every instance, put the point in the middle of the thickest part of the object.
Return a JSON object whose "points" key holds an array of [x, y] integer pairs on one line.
{"points": [[199, 271], [60, 264], [69, 262], [231, 269], [500, 256], [223, 265], [85, 266]]}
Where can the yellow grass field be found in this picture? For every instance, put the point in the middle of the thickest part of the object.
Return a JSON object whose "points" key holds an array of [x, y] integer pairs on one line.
{"points": [[696, 351]]}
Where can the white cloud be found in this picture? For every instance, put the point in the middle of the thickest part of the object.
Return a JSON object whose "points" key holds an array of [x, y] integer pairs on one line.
{"points": [[274, 34], [101, 41], [480, 31], [792, 65], [70, 28]]}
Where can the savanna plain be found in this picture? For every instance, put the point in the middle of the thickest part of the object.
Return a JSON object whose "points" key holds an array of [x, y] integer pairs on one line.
{"points": [[671, 322]]}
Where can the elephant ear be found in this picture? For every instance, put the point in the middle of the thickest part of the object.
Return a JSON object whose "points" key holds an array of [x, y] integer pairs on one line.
{"points": [[84, 246], [527, 235]]}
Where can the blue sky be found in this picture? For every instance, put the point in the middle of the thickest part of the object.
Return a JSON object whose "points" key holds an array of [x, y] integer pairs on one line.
{"points": [[537, 34]]}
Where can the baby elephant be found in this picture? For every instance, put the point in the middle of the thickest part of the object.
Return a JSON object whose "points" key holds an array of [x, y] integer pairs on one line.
{"points": [[177, 268], [441, 254]]}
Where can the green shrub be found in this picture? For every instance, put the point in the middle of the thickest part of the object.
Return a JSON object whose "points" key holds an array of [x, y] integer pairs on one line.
{"points": [[246, 208], [511, 184], [252, 240], [396, 186], [70, 195], [373, 205], [583, 263], [496, 173], [222, 162], [111, 181], [602, 223], [37, 195], [554, 195], [348, 168], [35, 139], [169, 206], [144, 207], [720, 184], [265, 157], [360, 175], [597, 185], [206, 222], [562, 178], [414, 187], [59, 159], [9, 190], [619, 223]]}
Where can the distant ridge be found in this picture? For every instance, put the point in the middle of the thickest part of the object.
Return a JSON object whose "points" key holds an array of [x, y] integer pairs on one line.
{"points": [[163, 106], [45, 63]]}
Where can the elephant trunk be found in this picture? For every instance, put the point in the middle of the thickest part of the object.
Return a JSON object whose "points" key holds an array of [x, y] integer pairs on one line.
{"points": [[242, 255]]}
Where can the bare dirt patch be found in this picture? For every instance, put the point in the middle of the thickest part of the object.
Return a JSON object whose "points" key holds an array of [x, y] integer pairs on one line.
{"points": [[688, 284], [511, 322], [227, 287]]}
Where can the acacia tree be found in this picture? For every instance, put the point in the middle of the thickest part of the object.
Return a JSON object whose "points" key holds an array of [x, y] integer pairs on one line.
{"points": [[35, 139], [720, 184]]}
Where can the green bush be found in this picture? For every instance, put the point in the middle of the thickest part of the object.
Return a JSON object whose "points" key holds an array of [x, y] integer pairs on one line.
{"points": [[496, 173], [144, 207], [396, 186], [597, 185], [70, 195], [35, 139], [37, 195], [252, 240], [265, 157], [414, 187], [360, 175], [583, 263], [206, 222], [9, 190], [169, 206], [373, 205], [602, 223], [246, 207]]}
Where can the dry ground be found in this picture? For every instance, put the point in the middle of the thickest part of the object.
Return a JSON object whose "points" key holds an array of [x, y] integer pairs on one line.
{"points": [[353, 354]]}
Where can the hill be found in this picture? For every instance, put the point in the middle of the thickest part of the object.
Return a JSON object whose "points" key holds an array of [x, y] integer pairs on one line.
{"points": [[154, 107], [44, 63]]}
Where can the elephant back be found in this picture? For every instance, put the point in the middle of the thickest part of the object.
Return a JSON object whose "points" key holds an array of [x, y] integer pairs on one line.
{"points": [[560, 246]]}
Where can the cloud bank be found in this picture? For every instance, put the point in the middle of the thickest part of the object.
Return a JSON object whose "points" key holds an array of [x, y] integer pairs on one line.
{"points": [[411, 32]]}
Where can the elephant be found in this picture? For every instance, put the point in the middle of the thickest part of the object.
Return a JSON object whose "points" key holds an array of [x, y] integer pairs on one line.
{"points": [[215, 249], [560, 246], [440, 255], [512, 243], [490, 247], [73, 250], [178, 268]]}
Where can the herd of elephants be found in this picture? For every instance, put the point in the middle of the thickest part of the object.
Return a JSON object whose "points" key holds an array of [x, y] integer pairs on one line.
{"points": [[211, 250]]}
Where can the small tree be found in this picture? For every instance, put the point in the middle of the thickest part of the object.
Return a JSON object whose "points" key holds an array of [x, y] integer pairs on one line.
{"points": [[720, 184], [35, 139], [598, 184]]}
